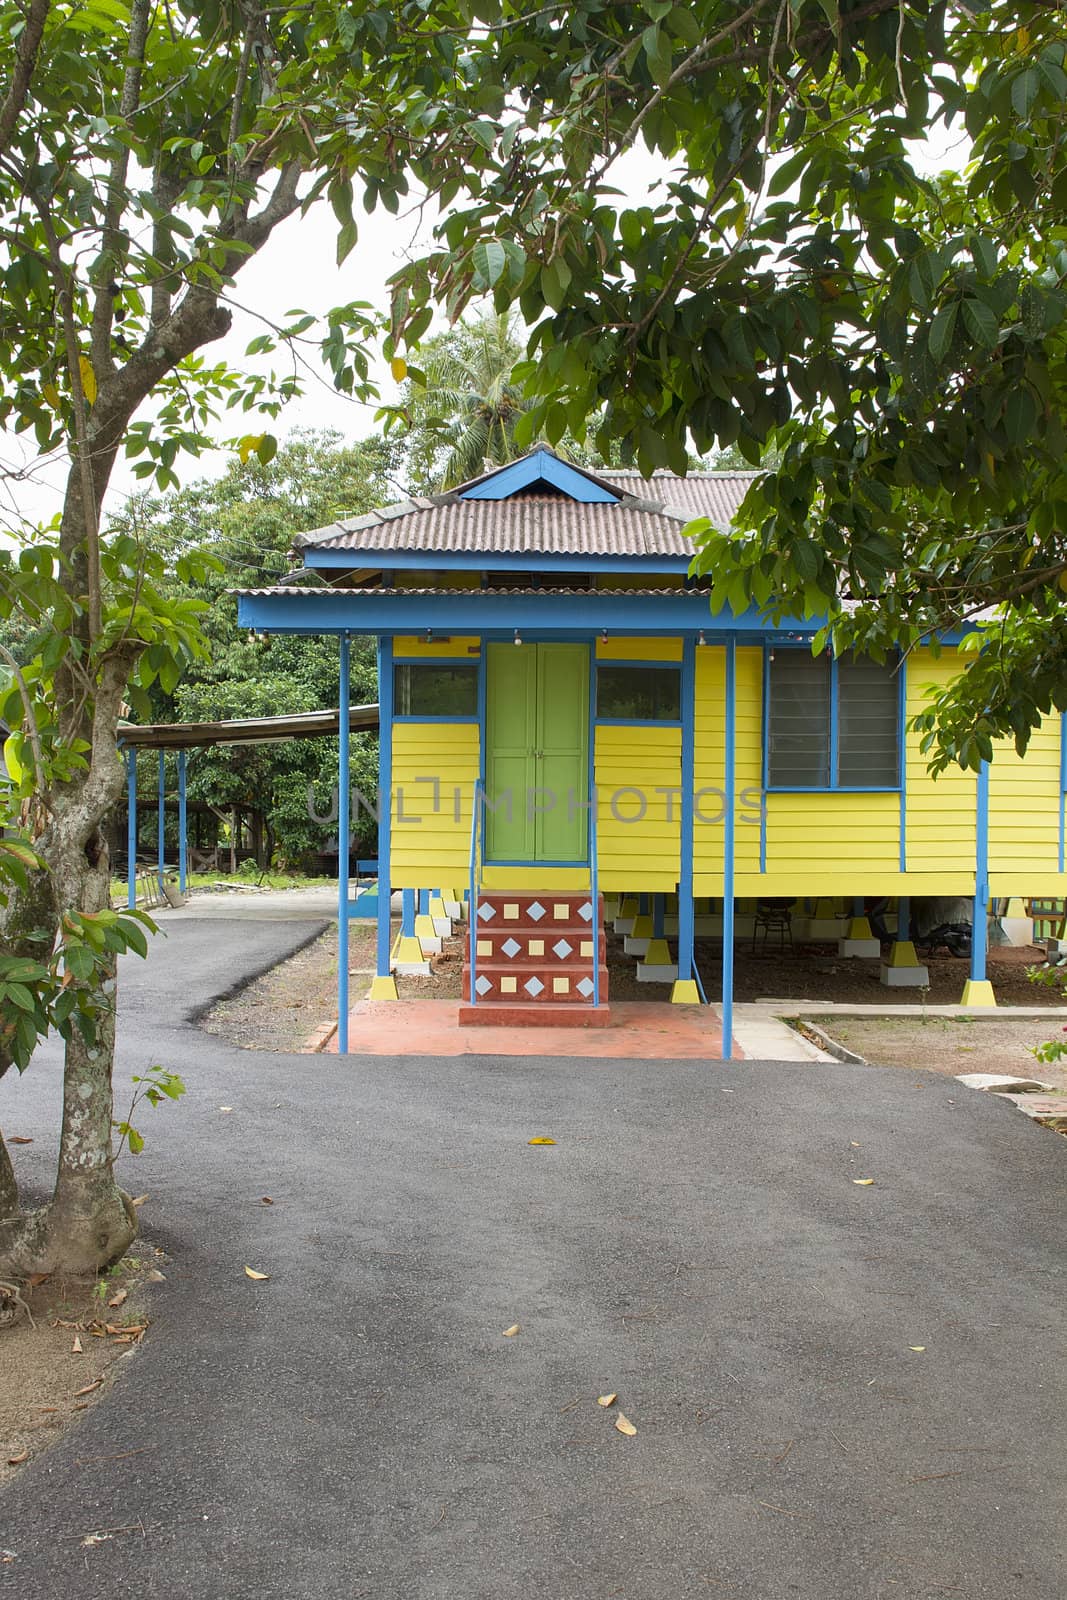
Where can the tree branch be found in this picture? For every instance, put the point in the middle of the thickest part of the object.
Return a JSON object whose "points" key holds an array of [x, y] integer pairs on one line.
{"points": [[113, 243], [25, 62]]}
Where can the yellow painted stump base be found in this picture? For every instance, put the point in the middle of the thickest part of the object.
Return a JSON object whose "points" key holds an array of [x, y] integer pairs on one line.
{"points": [[978, 992], [383, 989], [685, 993]]}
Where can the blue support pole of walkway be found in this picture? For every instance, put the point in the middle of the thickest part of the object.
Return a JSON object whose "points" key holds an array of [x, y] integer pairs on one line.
{"points": [[729, 784], [685, 871], [980, 923], [182, 824], [161, 821], [131, 827], [344, 833], [407, 912]]}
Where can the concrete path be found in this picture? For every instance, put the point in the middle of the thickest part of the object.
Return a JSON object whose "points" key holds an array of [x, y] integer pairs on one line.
{"points": [[695, 1240]]}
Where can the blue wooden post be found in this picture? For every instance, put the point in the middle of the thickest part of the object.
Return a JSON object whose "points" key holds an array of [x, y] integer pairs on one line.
{"points": [[131, 827], [384, 964], [642, 905], [344, 831], [182, 820], [903, 918], [686, 989], [982, 995], [161, 820], [407, 913], [729, 784]]}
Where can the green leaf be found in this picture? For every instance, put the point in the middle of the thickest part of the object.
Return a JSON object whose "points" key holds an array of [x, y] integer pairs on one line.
{"points": [[489, 260], [555, 281], [942, 328], [1024, 91], [980, 323]]}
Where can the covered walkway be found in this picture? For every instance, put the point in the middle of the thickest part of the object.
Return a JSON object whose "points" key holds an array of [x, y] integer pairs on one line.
{"points": [[182, 737]]}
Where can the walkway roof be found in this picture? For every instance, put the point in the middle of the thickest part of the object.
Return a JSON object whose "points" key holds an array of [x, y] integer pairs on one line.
{"points": [[243, 730]]}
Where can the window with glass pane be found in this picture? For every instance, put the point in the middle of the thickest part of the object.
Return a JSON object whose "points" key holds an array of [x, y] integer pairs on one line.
{"points": [[639, 694], [435, 689], [799, 732], [868, 714]]}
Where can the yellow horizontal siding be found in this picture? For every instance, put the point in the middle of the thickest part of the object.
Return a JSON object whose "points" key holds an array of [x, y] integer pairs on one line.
{"points": [[432, 846], [541, 880], [638, 649], [941, 815], [1024, 804], [636, 827], [418, 645], [709, 722]]}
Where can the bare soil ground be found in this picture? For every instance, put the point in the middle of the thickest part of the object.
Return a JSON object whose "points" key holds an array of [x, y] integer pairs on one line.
{"points": [[53, 1368], [950, 1044]]}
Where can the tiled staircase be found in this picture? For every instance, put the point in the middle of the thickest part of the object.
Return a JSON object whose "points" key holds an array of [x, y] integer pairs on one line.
{"points": [[534, 962]]}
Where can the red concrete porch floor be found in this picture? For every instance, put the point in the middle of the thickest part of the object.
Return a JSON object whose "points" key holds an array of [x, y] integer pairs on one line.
{"points": [[640, 1030]]}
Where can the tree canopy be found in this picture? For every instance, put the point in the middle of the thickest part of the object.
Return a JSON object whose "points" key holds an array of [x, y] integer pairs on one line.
{"points": [[800, 283]]}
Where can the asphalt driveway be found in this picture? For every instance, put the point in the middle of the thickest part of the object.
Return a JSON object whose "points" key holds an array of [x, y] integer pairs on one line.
{"points": [[358, 1426]]}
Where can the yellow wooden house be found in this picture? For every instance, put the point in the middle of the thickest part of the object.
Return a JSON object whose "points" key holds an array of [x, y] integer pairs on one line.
{"points": [[565, 726]]}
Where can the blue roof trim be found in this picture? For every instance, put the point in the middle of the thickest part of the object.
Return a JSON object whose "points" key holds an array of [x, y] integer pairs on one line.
{"points": [[463, 612], [541, 466], [486, 561]]}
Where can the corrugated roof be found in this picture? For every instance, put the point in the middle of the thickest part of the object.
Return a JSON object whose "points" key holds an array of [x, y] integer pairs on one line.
{"points": [[538, 522], [473, 594], [647, 521], [700, 494]]}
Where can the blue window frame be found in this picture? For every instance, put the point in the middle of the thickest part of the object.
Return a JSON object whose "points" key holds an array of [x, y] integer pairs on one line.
{"points": [[830, 722]]}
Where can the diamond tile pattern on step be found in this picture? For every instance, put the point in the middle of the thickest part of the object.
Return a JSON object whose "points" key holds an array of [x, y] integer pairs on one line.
{"points": [[517, 962]]}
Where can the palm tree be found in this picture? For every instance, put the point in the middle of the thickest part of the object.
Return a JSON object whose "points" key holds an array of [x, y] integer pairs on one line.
{"points": [[463, 417]]}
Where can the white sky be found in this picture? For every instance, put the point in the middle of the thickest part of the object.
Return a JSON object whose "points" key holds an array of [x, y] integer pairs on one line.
{"points": [[297, 269]]}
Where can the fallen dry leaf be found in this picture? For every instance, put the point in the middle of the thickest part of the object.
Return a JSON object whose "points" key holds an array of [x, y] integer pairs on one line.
{"points": [[76, 1347], [864, 1183], [225, 1108], [855, 1144], [138, 1200], [48, 1408], [509, 1333], [541, 1139], [918, 1348], [607, 1399], [36, 1278], [88, 1389], [155, 1276], [118, 1297], [16, 1461], [258, 1277], [18, 1138], [624, 1425], [266, 1200]]}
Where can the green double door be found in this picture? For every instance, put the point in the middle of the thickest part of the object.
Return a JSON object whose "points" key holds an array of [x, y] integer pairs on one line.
{"points": [[537, 752]]}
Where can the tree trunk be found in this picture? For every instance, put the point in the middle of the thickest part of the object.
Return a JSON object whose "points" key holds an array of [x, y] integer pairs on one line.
{"points": [[9, 1193], [90, 1221]]}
